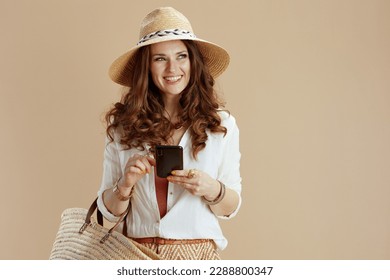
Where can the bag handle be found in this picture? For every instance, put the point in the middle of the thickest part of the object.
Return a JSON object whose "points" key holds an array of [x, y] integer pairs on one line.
{"points": [[92, 209]]}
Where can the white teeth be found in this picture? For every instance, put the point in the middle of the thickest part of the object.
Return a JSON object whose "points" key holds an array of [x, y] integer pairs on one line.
{"points": [[172, 79]]}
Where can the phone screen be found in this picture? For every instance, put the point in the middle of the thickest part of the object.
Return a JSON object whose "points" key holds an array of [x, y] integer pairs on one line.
{"points": [[168, 158]]}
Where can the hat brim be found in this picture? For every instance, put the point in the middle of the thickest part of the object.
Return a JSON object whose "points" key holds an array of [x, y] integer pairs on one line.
{"points": [[215, 57]]}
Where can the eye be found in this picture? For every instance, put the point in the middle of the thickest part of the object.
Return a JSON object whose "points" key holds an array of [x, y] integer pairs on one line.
{"points": [[182, 56], [159, 58]]}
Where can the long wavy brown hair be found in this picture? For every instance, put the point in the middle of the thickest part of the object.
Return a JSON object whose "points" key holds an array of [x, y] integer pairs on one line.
{"points": [[140, 113]]}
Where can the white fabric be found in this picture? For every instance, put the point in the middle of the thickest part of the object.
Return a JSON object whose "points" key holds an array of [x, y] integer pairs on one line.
{"points": [[187, 217]]}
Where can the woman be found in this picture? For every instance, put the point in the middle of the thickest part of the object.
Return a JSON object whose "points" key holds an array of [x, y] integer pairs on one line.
{"points": [[171, 101]]}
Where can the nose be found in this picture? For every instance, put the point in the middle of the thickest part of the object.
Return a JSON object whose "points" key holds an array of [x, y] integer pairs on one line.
{"points": [[172, 66]]}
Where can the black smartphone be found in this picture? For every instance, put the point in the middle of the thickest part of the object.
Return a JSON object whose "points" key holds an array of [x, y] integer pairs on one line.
{"points": [[168, 158]]}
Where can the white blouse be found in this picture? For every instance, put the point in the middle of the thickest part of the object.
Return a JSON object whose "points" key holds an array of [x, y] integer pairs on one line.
{"points": [[187, 216]]}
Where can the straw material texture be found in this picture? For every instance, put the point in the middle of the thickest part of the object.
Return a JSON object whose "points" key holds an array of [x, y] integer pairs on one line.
{"points": [[72, 245]]}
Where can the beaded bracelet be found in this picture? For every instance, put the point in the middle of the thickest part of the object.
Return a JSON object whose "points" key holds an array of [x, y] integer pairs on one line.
{"points": [[220, 196]]}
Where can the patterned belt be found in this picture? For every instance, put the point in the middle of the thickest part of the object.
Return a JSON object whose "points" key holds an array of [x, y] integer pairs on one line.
{"points": [[163, 241]]}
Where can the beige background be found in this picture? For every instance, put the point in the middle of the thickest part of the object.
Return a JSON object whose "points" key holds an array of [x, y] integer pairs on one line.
{"points": [[309, 84]]}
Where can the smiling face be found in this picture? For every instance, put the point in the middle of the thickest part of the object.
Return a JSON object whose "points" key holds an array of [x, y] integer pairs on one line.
{"points": [[170, 67]]}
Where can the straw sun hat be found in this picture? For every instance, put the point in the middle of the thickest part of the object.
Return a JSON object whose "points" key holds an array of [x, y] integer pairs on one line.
{"points": [[165, 24]]}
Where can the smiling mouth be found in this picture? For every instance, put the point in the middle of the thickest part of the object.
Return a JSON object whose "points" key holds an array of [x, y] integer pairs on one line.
{"points": [[173, 78]]}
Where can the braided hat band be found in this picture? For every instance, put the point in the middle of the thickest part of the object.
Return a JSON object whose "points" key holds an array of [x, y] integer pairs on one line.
{"points": [[169, 32]]}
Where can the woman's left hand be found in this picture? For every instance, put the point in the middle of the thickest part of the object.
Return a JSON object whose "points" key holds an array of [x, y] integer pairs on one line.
{"points": [[196, 182]]}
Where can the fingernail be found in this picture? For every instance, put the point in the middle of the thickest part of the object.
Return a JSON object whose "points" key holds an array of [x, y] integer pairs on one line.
{"points": [[173, 172]]}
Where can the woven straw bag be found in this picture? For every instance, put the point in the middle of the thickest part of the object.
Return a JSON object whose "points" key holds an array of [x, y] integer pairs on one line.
{"points": [[81, 238]]}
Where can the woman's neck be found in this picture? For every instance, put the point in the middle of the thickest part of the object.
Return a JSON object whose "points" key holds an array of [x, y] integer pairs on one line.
{"points": [[172, 107]]}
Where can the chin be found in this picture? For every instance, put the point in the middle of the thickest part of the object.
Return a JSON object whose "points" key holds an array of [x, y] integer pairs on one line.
{"points": [[174, 92]]}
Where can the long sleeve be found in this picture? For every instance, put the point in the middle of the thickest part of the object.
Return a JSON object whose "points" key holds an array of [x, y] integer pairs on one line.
{"points": [[229, 170], [111, 172]]}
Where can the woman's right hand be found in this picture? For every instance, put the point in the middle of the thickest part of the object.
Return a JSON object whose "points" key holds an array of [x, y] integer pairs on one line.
{"points": [[136, 167]]}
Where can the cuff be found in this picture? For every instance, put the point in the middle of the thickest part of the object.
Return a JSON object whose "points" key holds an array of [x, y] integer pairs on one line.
{"points": [[234, 212], [107, 214]]}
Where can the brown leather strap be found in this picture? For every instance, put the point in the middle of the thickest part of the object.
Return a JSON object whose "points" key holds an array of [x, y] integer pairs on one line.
{"points": [[163, 241], [91, 210], [99, 217], [124, 229]]}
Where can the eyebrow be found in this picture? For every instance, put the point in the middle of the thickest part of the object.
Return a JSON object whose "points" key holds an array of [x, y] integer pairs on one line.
{"points": [[163, 54]]}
